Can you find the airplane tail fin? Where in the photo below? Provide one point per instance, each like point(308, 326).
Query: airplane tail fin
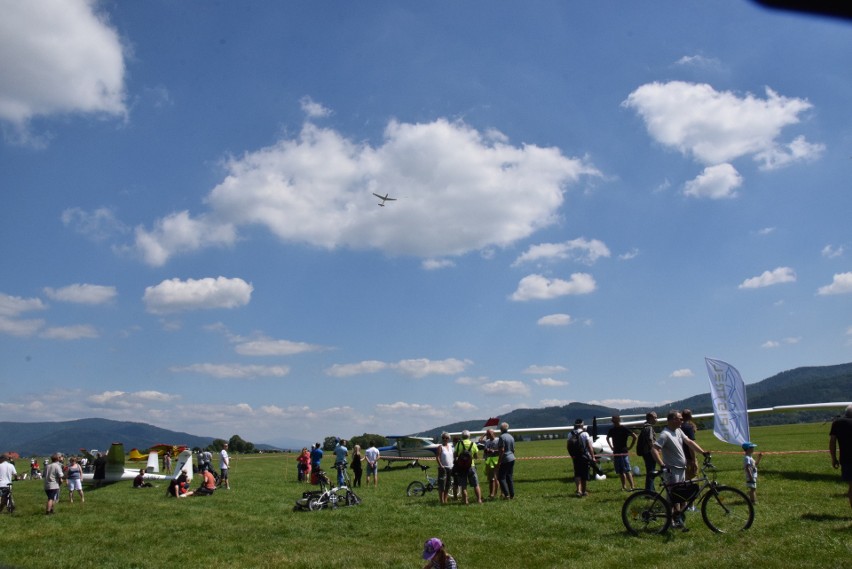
point(184, 463)
point(492, 422)
point(153, 463)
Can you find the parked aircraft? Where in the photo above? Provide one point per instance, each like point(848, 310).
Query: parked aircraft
point(408, 447)
point(384, 199)
point(115, 470)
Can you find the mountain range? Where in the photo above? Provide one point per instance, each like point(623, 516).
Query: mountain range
point(796, 386)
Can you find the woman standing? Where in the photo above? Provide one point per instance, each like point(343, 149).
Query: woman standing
point(74, 479)
point(356, 466)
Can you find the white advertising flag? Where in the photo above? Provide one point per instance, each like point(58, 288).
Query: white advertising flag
point(728, 393)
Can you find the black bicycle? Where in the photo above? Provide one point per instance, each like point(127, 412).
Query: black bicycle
point(724, 509)
point(6, 494)
point(418, 488)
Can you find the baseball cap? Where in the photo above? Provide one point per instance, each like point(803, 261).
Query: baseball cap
point(747, 445)
point(431, 547)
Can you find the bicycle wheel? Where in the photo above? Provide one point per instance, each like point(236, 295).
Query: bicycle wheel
point(646, 513)
point(727, 510)
point(318, 503)
point(416, 488)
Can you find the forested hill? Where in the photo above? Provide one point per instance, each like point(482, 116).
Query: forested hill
point(796, 386)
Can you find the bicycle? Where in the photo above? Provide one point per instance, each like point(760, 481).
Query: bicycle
point(724, 509)
point(328, 496)
point(418, 488)
point(6, 494)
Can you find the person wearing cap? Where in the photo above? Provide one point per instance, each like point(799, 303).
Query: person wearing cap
point(53, 476)
point(841, 436)
point(583, 461)
point(750, 467)
point(437, 556)
point(467, 478)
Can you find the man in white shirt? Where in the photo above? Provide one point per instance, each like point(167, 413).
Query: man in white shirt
point(224, 466)
point(7, 475)
point(372, 455)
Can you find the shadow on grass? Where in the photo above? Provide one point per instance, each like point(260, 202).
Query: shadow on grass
point(803, 476)
point(825, 518)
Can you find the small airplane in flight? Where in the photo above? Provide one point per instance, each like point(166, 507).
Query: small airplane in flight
point(115, 470)
point(384, 199)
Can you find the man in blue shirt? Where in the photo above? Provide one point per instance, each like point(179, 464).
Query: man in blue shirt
point(340, 454)
point(316, 457)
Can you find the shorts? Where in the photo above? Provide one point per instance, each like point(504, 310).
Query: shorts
point(372, 469)
point(52, 493)
point(491, 469)
point(75, 484)
point(470, 479)
point(675, 475)
point(445, 480)
point(581, 467)
point(622, 464)
point(224, 474)
point(751, 484)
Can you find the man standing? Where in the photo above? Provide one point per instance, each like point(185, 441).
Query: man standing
point(53, 476)
point(340, 455)
point(372, 455)
point(465, 454)
point(506, 462)
point(645, 447)
point(841, 435)
point(668, 452)
point(582, 455)
point(7, 475)
point(621, 440)
point(316, 457)
point(224, 466)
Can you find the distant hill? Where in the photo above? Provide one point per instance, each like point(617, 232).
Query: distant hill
point(42, 439)
point(797, 386)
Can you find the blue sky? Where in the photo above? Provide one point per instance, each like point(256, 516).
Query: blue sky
point(590, 200)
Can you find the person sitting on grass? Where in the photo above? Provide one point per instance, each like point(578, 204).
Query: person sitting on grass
point(437, 556)
point(139, 481)
point(178, 487)
point(208, 484)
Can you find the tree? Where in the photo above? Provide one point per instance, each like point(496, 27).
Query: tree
point(364, 440)
point(329, 443)
point(237, 444)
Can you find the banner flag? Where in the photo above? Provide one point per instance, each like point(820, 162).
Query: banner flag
point(730, 407)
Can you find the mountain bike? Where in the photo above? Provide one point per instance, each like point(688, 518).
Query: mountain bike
point(724, 509)
point(328, 496)
point(6, 494)
point(418, 488)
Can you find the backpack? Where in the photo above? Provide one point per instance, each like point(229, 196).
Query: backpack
point(643, 443)
point(464, 460)
point(576, 448)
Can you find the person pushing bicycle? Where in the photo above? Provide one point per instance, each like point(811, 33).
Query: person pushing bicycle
point(668, 453)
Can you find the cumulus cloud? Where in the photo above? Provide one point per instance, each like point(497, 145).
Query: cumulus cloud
point(313, 109)
point(416, 368)
point(539, 287)
point(317, 189)
point(78, 332)
point(684, 372)
point(271, 347)
point(360, 368)
point(549, 382)
point(545, 370)
point(715, 182)
point(581, 249)
point(831, 252)
point(769, 278)
point(233, 371)
point(841, 284)
point(58, 56)
point(715, 127)
point(555, 320)
point(98, 225)
point(21, 328)
point(82, 294)
point(15, 305)
point(505, 387)
point(175, 295)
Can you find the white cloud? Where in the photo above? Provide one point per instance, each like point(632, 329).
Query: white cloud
point(684, 372)
point(416, 368)
point(20, 328)
point(78, 332)
point(234, 371)
point(505, 387)
point(435, 264)
point(545, 370)
point(831, 252)
point(538, 287)
point(15, 305)
point(700, 61)
point(720, 126)
point(626, 403)
point(715, 182)
point(771, 344)
point(313, 109)
point(175, 295)
point(98, 225)
point(317, 189)
point(632, 254)
point(58, 56)
point(842, 284)
point(555, 320)
point(769, 278)
point(581, 249)
point(82, 294)
point(549, 382)
point(270, 347)
point(554, 402)
point(360, 368)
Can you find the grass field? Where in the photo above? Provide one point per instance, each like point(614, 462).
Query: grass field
point(802, 520)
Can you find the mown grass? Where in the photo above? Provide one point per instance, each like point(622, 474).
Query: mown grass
point(803, 520)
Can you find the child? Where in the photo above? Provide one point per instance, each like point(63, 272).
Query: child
point(436, 555)
point(750, 467)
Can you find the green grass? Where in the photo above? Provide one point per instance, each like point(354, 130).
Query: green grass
point(802, 520)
